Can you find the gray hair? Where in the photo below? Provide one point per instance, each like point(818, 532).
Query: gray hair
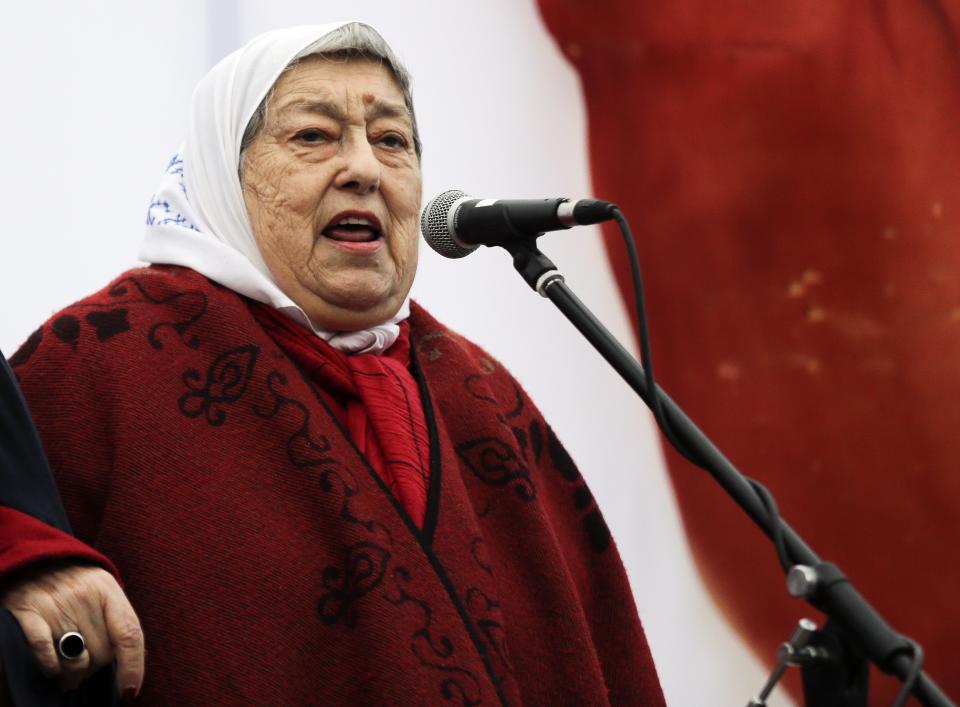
point(351, 41)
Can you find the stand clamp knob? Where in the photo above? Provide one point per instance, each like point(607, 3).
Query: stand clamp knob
point(802, 581)
point(787, 655)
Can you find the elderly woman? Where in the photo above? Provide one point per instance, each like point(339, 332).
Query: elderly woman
point(313, 492)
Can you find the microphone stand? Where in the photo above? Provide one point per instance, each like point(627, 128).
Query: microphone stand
point(855, 629)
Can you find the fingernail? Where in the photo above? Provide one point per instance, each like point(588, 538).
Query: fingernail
point(129, 694)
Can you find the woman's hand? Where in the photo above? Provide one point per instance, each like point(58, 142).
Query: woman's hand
point(51, 600)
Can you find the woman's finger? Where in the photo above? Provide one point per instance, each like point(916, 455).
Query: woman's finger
point(126, 636)
point(91, 625)
point(70, 605)
point(73, 671)
point(40, 639)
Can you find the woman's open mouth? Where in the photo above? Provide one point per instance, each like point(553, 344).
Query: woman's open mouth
point(355, 231)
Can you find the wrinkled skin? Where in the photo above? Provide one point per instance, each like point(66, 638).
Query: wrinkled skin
point(337, 137)
point(54, 598)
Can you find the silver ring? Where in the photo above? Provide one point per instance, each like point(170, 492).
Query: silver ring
point(71, 646)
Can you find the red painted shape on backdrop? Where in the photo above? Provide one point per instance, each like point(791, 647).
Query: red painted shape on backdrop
point(792, 173)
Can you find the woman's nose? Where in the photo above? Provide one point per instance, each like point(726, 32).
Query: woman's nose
point(361, 169)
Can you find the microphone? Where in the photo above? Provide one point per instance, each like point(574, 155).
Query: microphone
point(455, 224)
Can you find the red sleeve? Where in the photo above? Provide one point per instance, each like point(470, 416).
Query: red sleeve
point(25, 540)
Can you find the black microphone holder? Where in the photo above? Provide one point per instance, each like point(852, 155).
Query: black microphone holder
point(853, 623)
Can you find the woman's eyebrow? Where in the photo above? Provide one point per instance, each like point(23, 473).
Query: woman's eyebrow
point(378, 108)
point(327, 108)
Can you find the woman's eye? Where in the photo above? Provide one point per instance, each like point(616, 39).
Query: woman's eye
point(393, 141)
point(311, 136)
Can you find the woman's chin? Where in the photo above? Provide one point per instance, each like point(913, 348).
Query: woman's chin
point(359, 310)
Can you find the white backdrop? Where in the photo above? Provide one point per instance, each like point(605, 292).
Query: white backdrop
point(96, 98)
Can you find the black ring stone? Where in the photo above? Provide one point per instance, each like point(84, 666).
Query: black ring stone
point(72, 646)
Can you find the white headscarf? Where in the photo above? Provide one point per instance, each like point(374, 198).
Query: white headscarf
point(198, 218)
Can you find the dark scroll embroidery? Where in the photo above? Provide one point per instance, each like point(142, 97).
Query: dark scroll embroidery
point(436, 651)
point(225, 383)
point(29, 347)
point(307, 452)
point(595, 527)
point(476, 551)
point(302, 450)
point(529, 439)
point(597, 531)
point(520, 435)
point(484, 611)
point(362, 572)
point(582, 498)
point(108, 319)
point(536, 439)
point(476, 387)
point(495, 461)
point(67, 329)
point(190, 305)
point(558, 455)
point(108, 324)
point(497, 464)
point(484, 511)
point(473, 383)
point(470, 383)
point(518, 404)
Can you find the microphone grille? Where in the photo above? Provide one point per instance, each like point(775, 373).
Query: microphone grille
point(438, 227)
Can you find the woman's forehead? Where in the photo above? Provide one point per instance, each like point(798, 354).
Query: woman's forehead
point(324, 82)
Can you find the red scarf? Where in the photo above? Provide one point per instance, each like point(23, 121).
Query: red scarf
point(376, 399)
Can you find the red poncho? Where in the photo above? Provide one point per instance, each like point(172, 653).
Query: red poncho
point(269, 563)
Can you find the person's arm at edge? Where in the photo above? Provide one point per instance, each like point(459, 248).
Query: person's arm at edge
point(34, 530)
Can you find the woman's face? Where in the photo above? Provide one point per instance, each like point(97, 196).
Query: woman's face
point(332, 187)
